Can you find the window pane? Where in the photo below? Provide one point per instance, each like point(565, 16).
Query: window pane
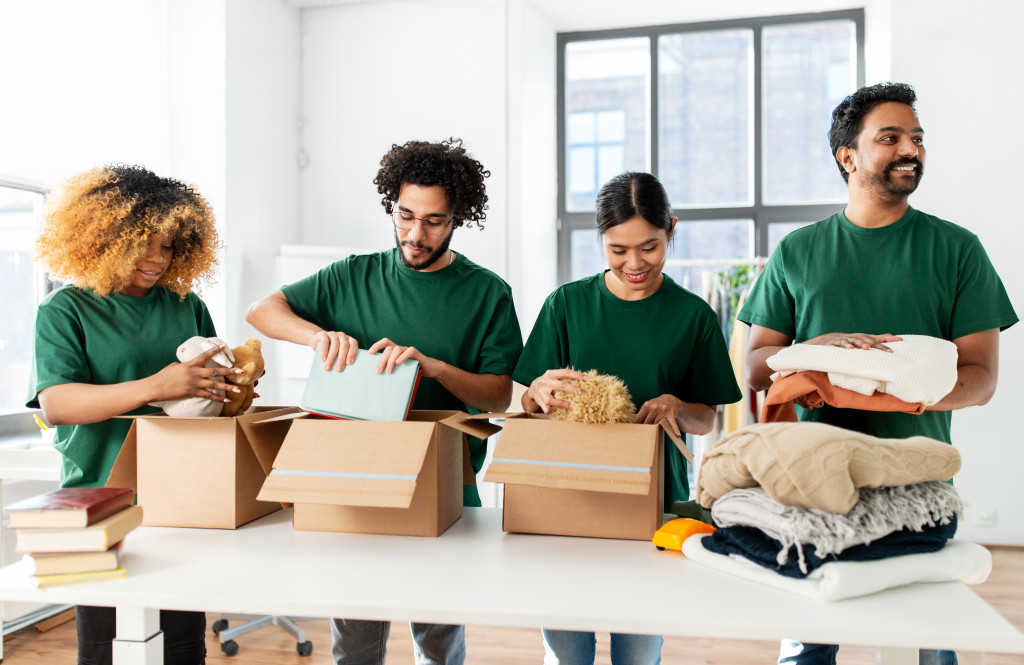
point(606, 107)
point(704, 117)
point(778, 231)
point(808, 69)
point(587, 254)
point(701, 249)
point(582, 168)
point(19, 210)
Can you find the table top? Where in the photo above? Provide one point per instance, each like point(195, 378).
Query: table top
point(475, 574)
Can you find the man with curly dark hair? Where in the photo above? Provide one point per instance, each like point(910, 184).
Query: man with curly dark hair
point(420, 300)
point(880, 267)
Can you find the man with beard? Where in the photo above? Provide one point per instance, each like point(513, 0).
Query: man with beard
point(876, 270)
point(420, 300)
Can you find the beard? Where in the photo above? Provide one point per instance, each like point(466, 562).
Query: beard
point(430, 259)
point(885, 182)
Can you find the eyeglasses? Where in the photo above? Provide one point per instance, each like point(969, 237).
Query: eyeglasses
point(431, 226)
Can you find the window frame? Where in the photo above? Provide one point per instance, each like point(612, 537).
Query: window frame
point(19, 422)
point(761, 213)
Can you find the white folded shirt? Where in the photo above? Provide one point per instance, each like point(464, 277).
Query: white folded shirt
point(958, 560)
point(920, 369)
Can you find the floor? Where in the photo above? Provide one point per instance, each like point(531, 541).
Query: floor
point(1004, 590)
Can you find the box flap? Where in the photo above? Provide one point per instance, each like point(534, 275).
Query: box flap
point(349, 463)
point(265, 430)
point(123, 473)
point(612, 457)
point(679, 443)
point(477, 425)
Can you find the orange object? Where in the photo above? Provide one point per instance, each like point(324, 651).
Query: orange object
point(674, 532)
point(817, 390)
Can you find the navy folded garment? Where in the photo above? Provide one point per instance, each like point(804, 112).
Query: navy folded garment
point(754, 544)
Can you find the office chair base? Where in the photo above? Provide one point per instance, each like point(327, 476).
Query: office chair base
point(227, 642)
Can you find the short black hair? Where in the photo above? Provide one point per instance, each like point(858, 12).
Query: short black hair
point(445, 164)
point(630, 194)
point(848, 117)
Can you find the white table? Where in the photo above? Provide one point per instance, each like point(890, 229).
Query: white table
point(475, 574)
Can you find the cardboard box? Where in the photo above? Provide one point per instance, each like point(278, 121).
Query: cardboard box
point(576, 479)
point(200, 472)
point(400, 478)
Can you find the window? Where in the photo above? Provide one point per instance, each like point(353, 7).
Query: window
point(24, 287)
point(733, 118)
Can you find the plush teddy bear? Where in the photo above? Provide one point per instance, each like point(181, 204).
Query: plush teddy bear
point(605, 400)
point(193, 407)
point(248, 358)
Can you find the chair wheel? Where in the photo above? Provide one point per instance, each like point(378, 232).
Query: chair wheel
point(219, 625)
point(230, 648)
point(304, 648)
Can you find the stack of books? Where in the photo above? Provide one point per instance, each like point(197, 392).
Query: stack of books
point(72, 535)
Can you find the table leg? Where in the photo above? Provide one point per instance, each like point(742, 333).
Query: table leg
point(139, 640)
point(895, 656)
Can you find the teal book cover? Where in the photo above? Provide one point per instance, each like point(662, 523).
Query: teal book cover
point(358, 392)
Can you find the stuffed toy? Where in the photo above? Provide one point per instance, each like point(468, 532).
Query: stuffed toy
point(605, 400)
point(248, 358)
point(197, 407)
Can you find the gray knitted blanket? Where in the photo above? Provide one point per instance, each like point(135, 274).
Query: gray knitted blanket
point(878, 512)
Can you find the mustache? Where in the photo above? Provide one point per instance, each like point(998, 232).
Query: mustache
point(414, 244)
point(907, 161)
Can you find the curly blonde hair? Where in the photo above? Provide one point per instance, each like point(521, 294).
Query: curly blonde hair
point(97, 226)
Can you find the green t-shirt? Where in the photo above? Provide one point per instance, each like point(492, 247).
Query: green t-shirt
point(667, 343)
point(81, 337)
point(462, 314)
point(918, 276)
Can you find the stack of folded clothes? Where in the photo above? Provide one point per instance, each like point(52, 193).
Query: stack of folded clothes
point(917, 372)
point(831, 513)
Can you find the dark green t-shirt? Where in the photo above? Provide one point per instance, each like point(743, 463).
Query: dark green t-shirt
point(81, 337)
point(461, 314)
point(918, 276)
point(667, 343)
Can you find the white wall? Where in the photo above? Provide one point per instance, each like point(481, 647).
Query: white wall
point(80, 90)
point(962, 64)
point(263, 96)
point(387, 72)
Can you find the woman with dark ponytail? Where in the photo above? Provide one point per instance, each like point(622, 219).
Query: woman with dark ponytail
point(634, 322)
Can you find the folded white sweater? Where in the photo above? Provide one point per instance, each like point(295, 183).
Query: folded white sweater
point(920, 369)
point(958, 560)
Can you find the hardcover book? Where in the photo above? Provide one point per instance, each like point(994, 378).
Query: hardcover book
point(69, 507)
point(358, 392)
point(66, 563)
point(95, 538)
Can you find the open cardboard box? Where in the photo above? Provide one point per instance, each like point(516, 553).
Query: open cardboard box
point(382, 477)
point(201, 472)
point(576, 479)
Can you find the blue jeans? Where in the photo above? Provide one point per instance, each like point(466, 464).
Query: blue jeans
point(357, 642)
point(825, 654)
point(569, 647)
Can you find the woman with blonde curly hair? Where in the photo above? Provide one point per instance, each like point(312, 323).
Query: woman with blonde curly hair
point(132, 245)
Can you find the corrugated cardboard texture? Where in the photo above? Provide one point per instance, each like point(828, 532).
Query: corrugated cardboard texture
point(350, 463)
point(435, 501)
point(563, 455)
point(552, 498)
point(198, 472)
point(576, 513)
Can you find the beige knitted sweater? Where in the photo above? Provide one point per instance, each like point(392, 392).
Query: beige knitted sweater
point(818, 466)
